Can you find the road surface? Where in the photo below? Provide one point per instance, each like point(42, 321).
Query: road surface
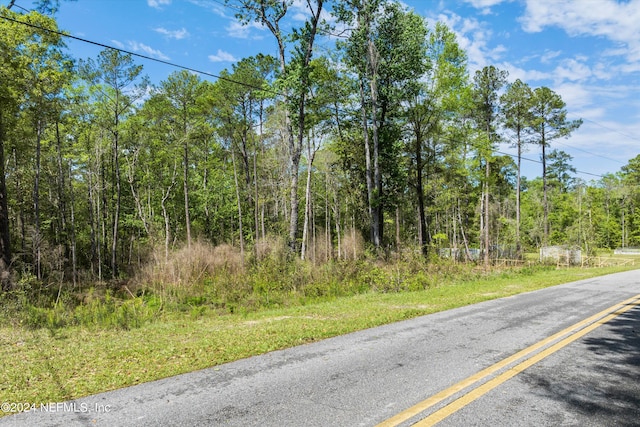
point(562, 356)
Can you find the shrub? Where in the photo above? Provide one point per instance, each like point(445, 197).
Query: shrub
point(352, 245)
point(270, 248)
point(189, 266)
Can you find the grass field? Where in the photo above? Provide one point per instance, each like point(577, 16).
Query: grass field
point(43, 365)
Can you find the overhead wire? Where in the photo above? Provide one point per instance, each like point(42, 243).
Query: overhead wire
point(205, 73)
point(147, 57)
point(540, 162)
point(590, 153)
point(233, 7)
point(608, 128)
point(139, 55)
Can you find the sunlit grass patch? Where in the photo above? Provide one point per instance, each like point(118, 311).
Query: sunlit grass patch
point(56, 364)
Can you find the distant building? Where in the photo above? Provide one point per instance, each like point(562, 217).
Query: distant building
point(459, 254)
point(560, 255)
point(627, 251)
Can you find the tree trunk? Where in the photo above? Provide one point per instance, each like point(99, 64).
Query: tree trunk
point(367, 160)
point(337, 220)
point(422, 226)
point(103, 215)
point(398, 227)
point(262, 205)
point(377, 219)
point(135, 194)
point(167, 227)
point(36, 203)
point(545, 202)
point(62, 205)
point(20, 199)
point(116, 213)
point(165, 214)
point(187, 219)
point(464, 237)
point(486, 213)
point(74, 261)
point(307, 197)
point(5, 237)
point(327, 218)
point(92, 221)
point(235, 178)
point(256, 205)
point(296, 146)
point(294, 200)
point(518, 191)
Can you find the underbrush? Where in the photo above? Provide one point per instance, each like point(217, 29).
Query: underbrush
point(217, 280)
point(97, 307)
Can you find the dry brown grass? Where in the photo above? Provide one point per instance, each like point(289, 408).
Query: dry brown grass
point(270, 247)
point(322, 249)
point(352, 245)
point(190, 265)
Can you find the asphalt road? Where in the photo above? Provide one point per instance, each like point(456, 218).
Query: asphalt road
point(562, 356)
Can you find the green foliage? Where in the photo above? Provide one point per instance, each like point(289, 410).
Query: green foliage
point(274, 282)
point(33, 306)
point(180, 343)
point(400, 142)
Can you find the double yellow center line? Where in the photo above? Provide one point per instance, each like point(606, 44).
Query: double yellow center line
point(566, 336)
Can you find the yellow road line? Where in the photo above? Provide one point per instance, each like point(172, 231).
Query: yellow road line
point(495, 382)
point(439, 397)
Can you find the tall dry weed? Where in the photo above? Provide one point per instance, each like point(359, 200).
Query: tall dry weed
point(190, 265)
point(322, 250)
point(270, 248)
point(352, 245)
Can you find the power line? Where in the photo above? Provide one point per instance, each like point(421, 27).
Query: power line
point(608, 128)
point(540, 162)
point(161, 61)
point(12, 3)
point(172, 64)
point(591, 153)
point(536, 161)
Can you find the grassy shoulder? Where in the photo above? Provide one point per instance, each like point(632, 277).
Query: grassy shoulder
point(55, 364)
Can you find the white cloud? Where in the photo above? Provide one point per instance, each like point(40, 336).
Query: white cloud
point(222, 56)
point(549, 55)
point(117, 44)
point(572, 70)
point(141, 47)
point(473, 36)
point(300, 11)
point(595, 113)
point(576, 96)
point(299, 16)
point(617, 21)
point(173, 34)
point(600, 144)
point(217, 8)
point(481, 4)
point(484, 5)
point(239, 31)
point(527, 76)
point(630, 68)
point(158, 3)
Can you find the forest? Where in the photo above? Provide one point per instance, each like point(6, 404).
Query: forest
point(385, 145)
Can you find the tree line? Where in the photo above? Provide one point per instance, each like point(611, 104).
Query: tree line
point(387, 136)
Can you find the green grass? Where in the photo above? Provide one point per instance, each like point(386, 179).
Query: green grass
point(55, 364)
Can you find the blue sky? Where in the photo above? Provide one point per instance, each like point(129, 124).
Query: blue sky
point(588, 51)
